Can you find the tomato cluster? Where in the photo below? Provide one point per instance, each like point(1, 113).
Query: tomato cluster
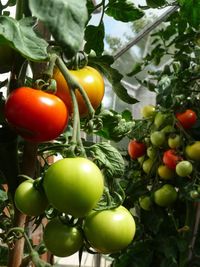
point(166, 154)
point(73, 187)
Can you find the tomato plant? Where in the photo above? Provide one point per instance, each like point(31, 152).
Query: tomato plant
point(109, 231)
point(147, 165)
point(170, 158)
point(174, 141)
point(7, 57)
point(36, 115)
point(91, 81)
point(187, 118)
point(61, 239)
point(136, 149)
point(145, 202)
point(74, 185)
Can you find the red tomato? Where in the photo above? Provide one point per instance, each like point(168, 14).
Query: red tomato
point(170, 159)
point(36, 115)
point(187, 118)
point(136, 149)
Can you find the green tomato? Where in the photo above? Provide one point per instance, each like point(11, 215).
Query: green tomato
point(74, 185)
point(62, 240)
point(109, 231)
point(159, 119)
point(194, 194)
point(148, 111)
point(193, 151)
point(147, 165)
point(30, 200)
point(184, 168)
point(167, 129)
point(165, 173)
point(145, 203)
point(165, 196)
point(151, 152)
point(157, 138)
point(174, 141)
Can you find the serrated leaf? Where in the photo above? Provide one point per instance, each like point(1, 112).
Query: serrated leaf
point(108, 159)
point(65, 20)
point(136, 69)
point(104, 63)
point(21, 37)
point(124, 11)
point(94, 37)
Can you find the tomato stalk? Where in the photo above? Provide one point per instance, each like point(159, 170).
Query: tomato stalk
point(74, 85)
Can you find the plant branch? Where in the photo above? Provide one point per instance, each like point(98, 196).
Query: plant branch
point(146, 31)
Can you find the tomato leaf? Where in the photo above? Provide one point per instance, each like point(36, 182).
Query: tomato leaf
point(191, 10)
point(108, 159)
point(21, 37)
point(121, 125)
point(65, 20)
point(94, 36)
point(123, 11)
point(104, 63)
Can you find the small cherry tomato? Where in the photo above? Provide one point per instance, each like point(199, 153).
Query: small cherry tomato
point(184, 168)
point(36, 115)
point(187, 118)
point(136, 149)
point(170, 158)
point(165, 196)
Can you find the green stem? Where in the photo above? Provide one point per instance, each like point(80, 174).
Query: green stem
point(73, 84)
point(19, 9)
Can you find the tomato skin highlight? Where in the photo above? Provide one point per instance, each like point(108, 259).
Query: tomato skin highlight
point(187, 118)
point(136, 149)
point(29, 200)
point(109, 231)
point(73, 185)
point(62, 240)
point(36, 115)
point(90, 80)
point(170, 159)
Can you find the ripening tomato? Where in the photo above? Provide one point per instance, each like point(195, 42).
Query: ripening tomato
point(109, 231)
point(73, 185)
point(174, 141)
point(165, 172)
point(193, 151)
point(148, 111)
point(136, 149)
point(29, 199)
point(91, 81)
point(62, 240)
point(36, 115)
point(170, 158)
point(187, 118)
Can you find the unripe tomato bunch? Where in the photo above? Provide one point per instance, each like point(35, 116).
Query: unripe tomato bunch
point(73, 187)
point(167, 155)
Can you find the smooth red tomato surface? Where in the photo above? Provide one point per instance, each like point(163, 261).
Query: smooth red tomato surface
point(109, 231)
point(187, 118)
point(29, 200)
point(170, 159)
point(62, 240)
point(91, 81)
point(136, 149)
point(36, 115)
point(74, 185)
